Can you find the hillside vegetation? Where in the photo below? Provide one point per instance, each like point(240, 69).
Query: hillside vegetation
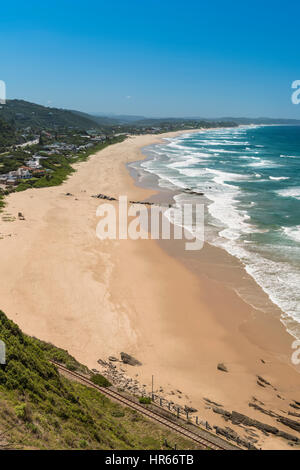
point(7, 134)
point(39, 409)
point(25, 114)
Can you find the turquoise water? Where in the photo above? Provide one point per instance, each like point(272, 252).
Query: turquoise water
point(251, 180)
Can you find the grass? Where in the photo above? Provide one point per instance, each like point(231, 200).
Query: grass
point(43, 410)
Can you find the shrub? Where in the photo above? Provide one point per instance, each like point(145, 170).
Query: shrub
point(83, 444)
point(100, 380)
point(145, 400)
point(23, 412)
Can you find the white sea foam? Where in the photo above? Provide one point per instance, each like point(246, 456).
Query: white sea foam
point(264, 164)
point(279, 178)
point(290, 192)
point(293, 233)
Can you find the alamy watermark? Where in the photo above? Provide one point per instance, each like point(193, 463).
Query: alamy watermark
point(2, 353)
point(2, 92)
point(140, 221)
point(296, 93)
point(296, 354)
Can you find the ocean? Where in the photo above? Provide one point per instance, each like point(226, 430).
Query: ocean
point(250, 177)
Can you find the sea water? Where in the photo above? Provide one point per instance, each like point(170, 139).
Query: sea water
point(250, 177)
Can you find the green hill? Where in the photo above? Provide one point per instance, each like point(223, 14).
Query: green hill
point(24, 114)
point(7, 134)
point(39, 409)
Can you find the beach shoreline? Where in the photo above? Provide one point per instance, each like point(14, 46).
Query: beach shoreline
point(99, 298)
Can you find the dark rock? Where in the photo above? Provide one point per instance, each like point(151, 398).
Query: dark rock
point(222, 367)
point(145, 203)
point(224, 413)
point(101, 362)
point(257, 401)
point(290, 423)
point(264, 381)
point(127, 359)
point(231, 435)
point(211, 402)
point(260, 384)
point(295, 405)
point(103, 196)
point(262, 410)
point(190, 409)
point(288, 436)
point(297, 415)
point(238, 418)
point(228, 432)
point(113, 359)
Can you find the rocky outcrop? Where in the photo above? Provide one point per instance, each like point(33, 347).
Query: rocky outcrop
point(288, 436)
point(113, 359)
point(289, 422)
point(191, 191)
point(210, 402)
point(240, 419)
point(127, 359)
point(262, 410)
point(190, 409)
point(297, 415)
point(226, 414)
point(262, 380)
point(103, 196)
point(231, 435)
point(146, 203)
point(295, 405)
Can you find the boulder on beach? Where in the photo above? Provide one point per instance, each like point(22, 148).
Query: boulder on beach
point(190, 409)
point(127, 359)
point(222, 367)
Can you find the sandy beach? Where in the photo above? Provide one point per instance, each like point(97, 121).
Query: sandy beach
point(176, 315)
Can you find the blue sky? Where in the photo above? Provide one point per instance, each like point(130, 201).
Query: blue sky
point(155, 58)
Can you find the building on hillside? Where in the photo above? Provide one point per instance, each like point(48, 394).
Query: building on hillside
point(34, 163)
point(41, 172)
point(23, 172)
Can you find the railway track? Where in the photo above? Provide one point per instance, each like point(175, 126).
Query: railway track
point(203, 442)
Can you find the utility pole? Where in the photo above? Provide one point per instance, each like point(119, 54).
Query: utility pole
point(152, 387)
